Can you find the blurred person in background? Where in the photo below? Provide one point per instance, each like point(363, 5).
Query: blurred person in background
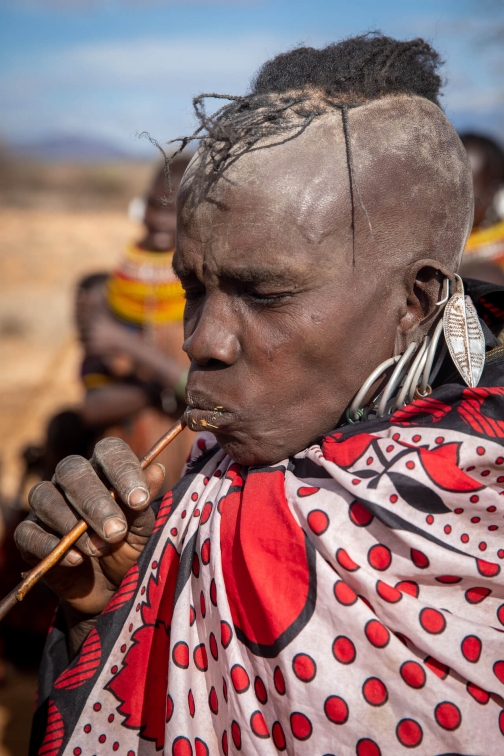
point(130, 326)
point(484, 253)
point(135, 370)
point(134, 374)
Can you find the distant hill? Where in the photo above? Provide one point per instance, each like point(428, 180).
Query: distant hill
point(72, 148)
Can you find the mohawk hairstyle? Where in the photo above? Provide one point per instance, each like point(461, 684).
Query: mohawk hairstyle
point(344, 75)
point(294, 88)
point(360, 68)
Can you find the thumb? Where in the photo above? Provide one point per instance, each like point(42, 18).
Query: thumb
point(155, 475)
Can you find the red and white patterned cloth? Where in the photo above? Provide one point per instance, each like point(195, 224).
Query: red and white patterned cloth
point(349, 600)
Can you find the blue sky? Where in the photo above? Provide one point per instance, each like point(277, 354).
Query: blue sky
point(112, 68)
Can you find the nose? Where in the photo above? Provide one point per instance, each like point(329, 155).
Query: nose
point(213, 341)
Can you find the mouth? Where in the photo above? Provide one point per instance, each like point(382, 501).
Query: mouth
point(203, 413)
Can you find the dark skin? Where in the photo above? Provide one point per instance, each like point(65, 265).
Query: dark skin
point(276, 307)
point(265, 304)
point(118, 529)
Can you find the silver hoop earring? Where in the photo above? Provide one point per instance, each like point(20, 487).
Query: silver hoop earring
point(395, 378)
point(446, 286)
point(355, 413)
point(417, 368)
point(410, 382)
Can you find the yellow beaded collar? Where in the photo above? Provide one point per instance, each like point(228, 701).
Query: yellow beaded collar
point(144, 290)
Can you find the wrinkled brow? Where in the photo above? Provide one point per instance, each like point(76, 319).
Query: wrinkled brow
point(256, 274)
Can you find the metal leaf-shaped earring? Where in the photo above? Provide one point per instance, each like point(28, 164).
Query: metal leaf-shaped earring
point(464, 336)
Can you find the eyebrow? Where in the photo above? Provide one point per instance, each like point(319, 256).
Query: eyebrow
point(257, 274)
point(245, 274)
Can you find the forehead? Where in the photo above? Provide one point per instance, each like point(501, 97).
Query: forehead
point(285, 198)
point(292, 197)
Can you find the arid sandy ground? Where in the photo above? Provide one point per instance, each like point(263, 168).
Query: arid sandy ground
point(43, 252)
point(42, 255)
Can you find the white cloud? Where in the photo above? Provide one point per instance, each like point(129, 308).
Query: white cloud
point(117, 88)
point(149, 60)
point(114, 89)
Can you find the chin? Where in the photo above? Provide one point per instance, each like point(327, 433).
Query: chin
point(248, 453)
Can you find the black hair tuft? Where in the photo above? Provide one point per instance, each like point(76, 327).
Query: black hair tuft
point(361, 68)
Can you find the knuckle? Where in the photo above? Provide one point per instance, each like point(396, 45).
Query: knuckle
point(22, 534)
point(41, 494)
point(109, 445)
point(69, 466)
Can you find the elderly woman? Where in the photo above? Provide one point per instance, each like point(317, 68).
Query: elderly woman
point(326, 576)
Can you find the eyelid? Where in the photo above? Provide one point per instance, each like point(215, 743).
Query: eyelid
point(266, 299)
point(268, 295)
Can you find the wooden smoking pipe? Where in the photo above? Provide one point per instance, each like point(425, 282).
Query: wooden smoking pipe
point(32, 577)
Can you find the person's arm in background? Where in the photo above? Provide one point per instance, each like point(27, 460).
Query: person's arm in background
point(106, 336)
point(112, 403)
point(110, 399)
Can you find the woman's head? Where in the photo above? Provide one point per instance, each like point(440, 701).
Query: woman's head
point(160, 218)
point(315, 231)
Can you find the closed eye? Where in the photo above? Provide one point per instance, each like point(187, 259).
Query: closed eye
point(266, 299)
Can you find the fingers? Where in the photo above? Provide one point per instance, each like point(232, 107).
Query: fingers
point(122, 468)
point(142, 523)
point(78, 483)
point(87, 494)
point(35, 544)
point(50, 508)
point(155, 475)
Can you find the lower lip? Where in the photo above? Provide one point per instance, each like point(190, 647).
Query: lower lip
point(211, 420)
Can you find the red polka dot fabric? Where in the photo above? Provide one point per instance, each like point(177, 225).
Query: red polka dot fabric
point(347, 601)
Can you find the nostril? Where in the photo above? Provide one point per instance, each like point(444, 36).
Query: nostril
point(214, 364)
point(211, 364)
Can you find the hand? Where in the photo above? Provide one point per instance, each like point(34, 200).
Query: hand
point(88, 576)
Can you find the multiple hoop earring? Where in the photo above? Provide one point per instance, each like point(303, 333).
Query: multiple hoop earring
point(417, 368)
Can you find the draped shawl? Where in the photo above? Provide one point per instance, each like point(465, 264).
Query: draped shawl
point(348, 600)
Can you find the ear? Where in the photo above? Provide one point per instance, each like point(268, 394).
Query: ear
point(423, 288)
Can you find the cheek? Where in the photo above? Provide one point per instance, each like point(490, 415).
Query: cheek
point(333, 347)
point(293, 347)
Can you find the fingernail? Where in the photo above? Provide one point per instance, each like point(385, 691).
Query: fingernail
point(73, 558)
point(137, 497)
point(163, 468)
point(113, 526)
point(95, 543)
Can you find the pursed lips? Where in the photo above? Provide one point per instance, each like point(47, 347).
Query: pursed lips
point(203, 413)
